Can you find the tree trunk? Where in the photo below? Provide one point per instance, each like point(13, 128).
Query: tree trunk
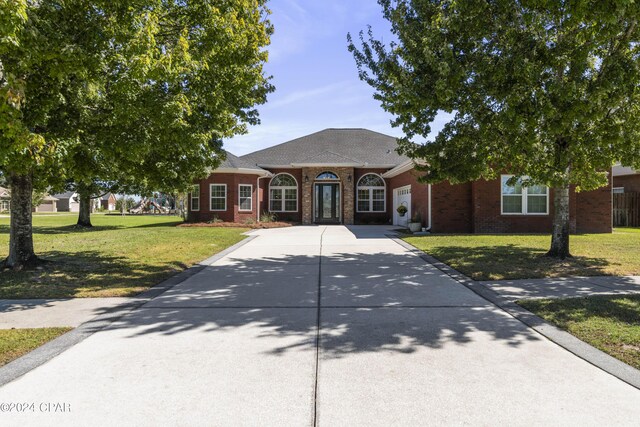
point(561, 224)
point(84, 214)
point(21, 254)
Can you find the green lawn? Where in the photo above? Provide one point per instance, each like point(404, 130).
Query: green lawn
point(609, 323)
point(16, 342)
point(120, 256)
point(509, 256)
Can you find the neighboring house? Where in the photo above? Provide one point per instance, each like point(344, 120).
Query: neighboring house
point(68, 202)
point(5, 200)
point(48, 204)
point(108, 202)
point(355, 176)
point(625, 180)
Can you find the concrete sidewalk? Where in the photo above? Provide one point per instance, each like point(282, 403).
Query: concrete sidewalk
point(564, 287)
point(320, 326)
point(47, 313)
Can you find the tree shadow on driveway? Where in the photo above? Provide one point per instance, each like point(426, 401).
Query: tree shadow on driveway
point(368, 302)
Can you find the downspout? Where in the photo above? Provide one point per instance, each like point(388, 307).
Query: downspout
point(429, 213)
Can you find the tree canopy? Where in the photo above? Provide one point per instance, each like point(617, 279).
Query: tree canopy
point(133, 92)
point(545, 89)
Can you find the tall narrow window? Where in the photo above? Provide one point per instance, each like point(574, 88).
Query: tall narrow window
point(371, 194)
point(283, 193)
point(520, 200)
point(245, 192)
point(195, 197)
point(218, 193)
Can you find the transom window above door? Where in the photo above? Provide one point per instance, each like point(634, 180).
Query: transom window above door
point(327, 176)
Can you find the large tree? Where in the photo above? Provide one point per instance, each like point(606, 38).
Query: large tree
point(146, 89)
point(547, 90)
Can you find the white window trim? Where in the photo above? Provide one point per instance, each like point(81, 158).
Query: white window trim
point(240, 197)
point(197, 197)
point(525, 199)
point(613, 190)
point(211, 198)
point(370, 189)
point(282, 192)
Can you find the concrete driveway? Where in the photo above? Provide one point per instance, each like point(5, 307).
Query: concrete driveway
point(327, 326)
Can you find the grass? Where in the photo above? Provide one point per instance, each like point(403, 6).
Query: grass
point(16, 342)
point(119, 256)
point(609, 323)
point(508, 256)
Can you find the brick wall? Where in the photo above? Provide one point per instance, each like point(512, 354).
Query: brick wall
point(590, 212)
point(594, 210)
point(232, 213)
point(631, 183)
point(452, 210)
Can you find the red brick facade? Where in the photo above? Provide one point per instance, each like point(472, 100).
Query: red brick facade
point(232, 213)
point(473, 207)
point(630, 183)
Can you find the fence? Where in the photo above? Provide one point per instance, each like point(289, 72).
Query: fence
point(626, 210)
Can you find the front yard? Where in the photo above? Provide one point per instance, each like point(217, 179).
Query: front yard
point(497, 257)
point(120, 256)
point(609, 323)
point(17, 342)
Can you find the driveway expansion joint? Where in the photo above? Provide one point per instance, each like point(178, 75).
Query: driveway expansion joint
point(579, 348)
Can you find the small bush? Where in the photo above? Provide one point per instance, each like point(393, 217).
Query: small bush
point(268, 217)
point(215, 220)
point(249, 221)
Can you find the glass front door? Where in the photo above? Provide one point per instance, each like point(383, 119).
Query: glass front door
point(327, 208)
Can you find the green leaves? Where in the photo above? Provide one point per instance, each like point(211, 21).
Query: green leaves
point(540, 88)
point(139, 92)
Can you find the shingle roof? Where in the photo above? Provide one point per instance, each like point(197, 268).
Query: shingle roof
point(65, 195)
point(332, 146)
point(235, 162)
point(4, 192)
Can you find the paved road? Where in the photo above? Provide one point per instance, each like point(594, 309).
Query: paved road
point(399, 343)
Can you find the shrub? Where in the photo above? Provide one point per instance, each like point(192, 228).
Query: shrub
point(268, 217)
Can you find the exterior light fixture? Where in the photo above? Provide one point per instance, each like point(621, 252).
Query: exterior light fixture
point(306, 178)
point(349, 178)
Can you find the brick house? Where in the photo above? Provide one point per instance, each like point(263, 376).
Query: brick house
point(355, 176)
point(625, 180)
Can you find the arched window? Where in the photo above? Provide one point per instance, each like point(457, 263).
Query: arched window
point(372, 193)
point(283, 193)
point(327, 175)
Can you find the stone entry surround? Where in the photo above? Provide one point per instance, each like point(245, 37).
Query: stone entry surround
point(347, 190)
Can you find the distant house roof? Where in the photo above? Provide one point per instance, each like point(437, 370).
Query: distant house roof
point(353, 147)
point(49, 198)
point(619, 170)
point(4, 193)
point(65, 195)
point(106, 196)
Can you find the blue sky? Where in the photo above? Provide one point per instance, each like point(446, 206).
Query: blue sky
point(316, 79)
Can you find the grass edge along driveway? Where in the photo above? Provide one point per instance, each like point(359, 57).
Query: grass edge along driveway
point(609, 323)
point(520, 256)
point(18, 342)
point(118, 257)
